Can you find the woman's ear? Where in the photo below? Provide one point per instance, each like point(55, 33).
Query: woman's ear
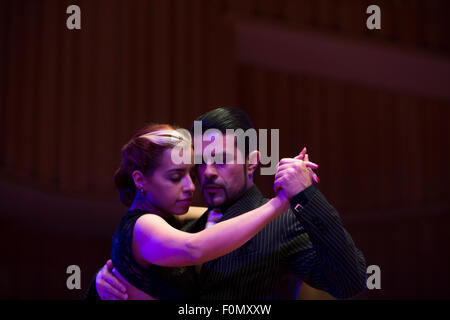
point(138, 178)
point(253, 161)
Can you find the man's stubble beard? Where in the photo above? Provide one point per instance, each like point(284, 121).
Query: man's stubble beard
point(227, 201)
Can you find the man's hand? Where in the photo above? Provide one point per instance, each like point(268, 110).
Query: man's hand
point(109, 287)
point(295, 174)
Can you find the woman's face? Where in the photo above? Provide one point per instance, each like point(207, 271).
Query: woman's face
point(170, 187)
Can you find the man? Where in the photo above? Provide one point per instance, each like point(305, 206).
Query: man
point(307, 243)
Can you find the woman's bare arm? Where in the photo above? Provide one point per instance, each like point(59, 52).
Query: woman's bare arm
point(156, 242)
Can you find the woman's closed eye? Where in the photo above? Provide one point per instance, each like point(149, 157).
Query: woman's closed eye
point(175, 178)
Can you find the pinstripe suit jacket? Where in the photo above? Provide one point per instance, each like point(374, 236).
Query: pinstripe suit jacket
point(306, 243)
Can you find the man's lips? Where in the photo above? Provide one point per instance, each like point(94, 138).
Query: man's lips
point(212, 187)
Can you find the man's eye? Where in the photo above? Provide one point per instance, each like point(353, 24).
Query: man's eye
point(175, 179)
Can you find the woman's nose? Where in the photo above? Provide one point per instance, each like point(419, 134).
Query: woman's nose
point(189, 185)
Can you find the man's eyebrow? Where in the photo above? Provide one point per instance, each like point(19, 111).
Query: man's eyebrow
point(224, 156)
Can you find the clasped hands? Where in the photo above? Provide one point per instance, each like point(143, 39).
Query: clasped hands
point(295, 174)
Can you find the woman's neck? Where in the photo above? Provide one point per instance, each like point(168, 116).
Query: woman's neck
point(142, 203)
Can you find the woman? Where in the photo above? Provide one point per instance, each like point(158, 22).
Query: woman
point(149, 250)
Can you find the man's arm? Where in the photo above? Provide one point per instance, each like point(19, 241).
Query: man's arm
point(325, 257)
point(333, 263)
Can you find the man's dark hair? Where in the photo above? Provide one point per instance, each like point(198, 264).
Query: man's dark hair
point(226, 118)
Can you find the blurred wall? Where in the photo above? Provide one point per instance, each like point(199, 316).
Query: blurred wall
point(377, 124)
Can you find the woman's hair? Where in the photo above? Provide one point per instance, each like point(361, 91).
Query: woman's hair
point(143, 153)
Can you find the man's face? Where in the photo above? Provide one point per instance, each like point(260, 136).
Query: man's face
point(221, 184)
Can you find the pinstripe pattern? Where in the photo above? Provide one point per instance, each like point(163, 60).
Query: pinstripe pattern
point(310, 245)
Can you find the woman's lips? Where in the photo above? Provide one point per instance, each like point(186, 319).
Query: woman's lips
point(185, 201)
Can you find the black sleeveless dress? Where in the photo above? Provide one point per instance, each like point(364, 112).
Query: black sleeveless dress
point(165, 283)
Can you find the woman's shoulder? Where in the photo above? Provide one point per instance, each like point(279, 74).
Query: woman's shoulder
point(137, 214)
point(124, 231)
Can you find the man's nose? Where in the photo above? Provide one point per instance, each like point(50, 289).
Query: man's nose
point(210, 171)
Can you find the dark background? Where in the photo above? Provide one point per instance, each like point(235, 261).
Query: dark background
point(372, 106)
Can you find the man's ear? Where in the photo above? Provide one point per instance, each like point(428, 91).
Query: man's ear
point(253, 161)
point(138, 178)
